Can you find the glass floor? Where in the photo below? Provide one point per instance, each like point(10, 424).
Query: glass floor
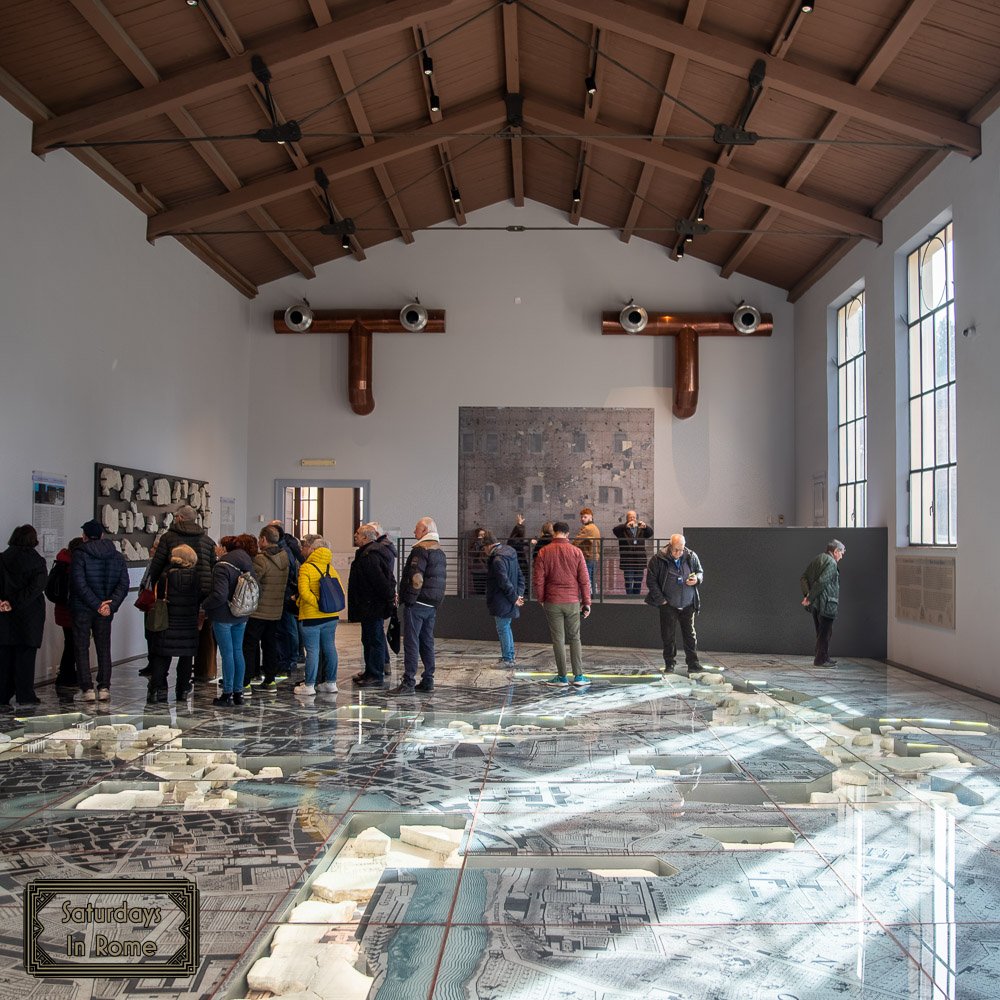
point(766, 830)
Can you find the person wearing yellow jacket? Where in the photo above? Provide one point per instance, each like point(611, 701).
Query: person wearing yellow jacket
point(318, 628)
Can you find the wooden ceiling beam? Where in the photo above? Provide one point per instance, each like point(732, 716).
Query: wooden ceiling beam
point(591, 103)
point(225, 31)
point(34, 110)
point(488, 115)
point(881, 59)
point(207, 82)
point(512, 70)
point(107, 27)
point(899, 116)
point(675, 77)
point(448, 172)
point(814, 210)
point(345, 79)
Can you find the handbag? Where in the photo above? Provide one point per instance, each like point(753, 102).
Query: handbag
point(146, 597)
point(392, 633)
point(158, 616)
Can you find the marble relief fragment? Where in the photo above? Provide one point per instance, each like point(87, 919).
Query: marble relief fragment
point(161, 492)
point(111, 479)
point(128, 485)
point(109, 518)
point(142, 490)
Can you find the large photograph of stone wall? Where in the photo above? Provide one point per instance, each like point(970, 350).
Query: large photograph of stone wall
point(548, 462)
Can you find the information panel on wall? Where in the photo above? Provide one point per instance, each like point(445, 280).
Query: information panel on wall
point(925, 590)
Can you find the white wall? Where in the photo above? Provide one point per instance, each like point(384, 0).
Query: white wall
point(113, 351)
point(968, 192)
point(728, 465)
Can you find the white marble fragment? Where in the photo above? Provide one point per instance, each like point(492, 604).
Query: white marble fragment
point(142, 490)
point(431, 838)
point(161, 492)
point(864, 739)
point(269, 772)
point(128, 485)
point(109, 518)
point(462, 727)
point(343, 884)
point(111, 479)
point(372, 843)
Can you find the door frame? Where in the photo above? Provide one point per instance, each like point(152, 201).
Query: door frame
point(280, 485)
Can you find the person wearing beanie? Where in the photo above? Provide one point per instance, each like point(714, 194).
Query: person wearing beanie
point(99, 583)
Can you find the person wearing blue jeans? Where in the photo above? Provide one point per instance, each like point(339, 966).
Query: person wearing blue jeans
point(229, 639)
point(421, 590)
point(317, 627)
point(228, 628)
point(504, 592)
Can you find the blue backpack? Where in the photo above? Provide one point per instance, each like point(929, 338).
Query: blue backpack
point(331, 594)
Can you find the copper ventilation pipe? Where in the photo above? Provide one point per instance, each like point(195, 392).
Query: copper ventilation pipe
point(686, 328)
point(359, 325)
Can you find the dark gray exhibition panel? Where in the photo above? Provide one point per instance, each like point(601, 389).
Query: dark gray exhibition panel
point(751, 601)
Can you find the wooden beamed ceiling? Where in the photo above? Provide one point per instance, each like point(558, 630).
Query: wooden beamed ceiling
point(847, 116)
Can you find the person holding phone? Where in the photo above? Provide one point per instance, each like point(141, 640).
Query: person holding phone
point(673, 577)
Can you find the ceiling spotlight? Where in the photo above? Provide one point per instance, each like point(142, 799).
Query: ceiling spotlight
point(746, 319)
point(591, 84)
point(428, 65)
point(456, 196)
point(192, 3)
point(689, 238)
point(346, 242)
point(413, 316)
point(633, 318)
point(679, 252)
point(298, 318)
point(577, 196)
point(806, 8)
point(700, 215)
point(435, 102)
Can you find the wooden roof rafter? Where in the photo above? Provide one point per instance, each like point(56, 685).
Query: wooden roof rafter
point(106, 25)
point(487, 115)
point(345, 79)
point(878, 63)
point(897, 115)
point(207, 82)
point(229, 38)
point(443, 148)
point(512, 71)
point(591, 104)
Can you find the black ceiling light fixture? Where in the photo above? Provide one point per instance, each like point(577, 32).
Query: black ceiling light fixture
point(435, 102)
point(456, 196)
point(428, 65)
point(577, 196)
point(279, 132)
point(806, 7)
point(591, 84)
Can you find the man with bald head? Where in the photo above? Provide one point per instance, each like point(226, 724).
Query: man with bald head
point(421, 590)
point(673, 576)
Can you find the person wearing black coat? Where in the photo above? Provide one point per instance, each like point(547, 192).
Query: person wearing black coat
point(504, 593)
point(185, 530)
point(99, 576)
point(181, 588)
point(632, 537)
point(518, 541)
point(228, 628)
point(371, 592)
point(22, 615)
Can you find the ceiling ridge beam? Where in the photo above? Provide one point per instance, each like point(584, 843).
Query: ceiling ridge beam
point(34, 110)
point(512, 72)
point(877, 64)
point(895, 114)
point(341, 164)
point(728, 179)
point(206, 82)
point(108, 29)
point(675, 77)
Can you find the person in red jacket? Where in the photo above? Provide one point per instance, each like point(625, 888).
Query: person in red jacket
point(562, 585)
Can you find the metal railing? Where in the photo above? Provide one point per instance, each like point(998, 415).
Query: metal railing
point(467, 567)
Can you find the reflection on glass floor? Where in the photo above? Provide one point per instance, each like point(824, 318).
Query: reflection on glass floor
point(767, 829)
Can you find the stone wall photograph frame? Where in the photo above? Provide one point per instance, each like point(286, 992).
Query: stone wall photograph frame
point(548, 462)
point(136, 498)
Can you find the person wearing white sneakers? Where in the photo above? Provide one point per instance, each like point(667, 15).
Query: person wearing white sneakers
point(319, 628)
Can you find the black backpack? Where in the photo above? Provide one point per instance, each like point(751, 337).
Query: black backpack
point(57, 585)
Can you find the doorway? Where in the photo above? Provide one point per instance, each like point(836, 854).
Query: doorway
point(332, 508)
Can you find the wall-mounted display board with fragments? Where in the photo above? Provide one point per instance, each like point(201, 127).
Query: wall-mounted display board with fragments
point(134, 505)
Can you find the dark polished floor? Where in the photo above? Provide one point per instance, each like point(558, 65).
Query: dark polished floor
point(766, 830)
